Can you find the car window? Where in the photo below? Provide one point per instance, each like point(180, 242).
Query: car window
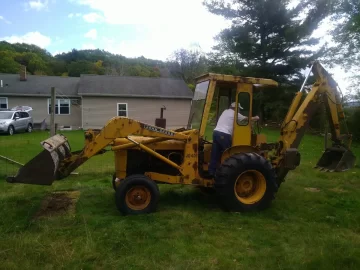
point(6, 115)
point(24, 115)
point(16, 115)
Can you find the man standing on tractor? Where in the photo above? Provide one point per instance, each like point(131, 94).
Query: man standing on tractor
point(222, 135)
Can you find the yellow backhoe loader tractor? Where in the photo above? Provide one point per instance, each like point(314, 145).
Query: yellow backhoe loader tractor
point(250, 171)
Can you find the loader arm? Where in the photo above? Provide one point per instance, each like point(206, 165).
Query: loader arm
point(117, 127)
point(60, 162)
point(324, 91)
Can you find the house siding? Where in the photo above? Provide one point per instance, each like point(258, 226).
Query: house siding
point(98, 110)
point(40, 111)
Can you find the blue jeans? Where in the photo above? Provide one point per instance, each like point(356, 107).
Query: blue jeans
point(221, 142)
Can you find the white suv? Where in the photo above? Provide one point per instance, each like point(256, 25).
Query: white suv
point(14, 121)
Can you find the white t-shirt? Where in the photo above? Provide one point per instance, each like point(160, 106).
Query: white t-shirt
point(225, 123)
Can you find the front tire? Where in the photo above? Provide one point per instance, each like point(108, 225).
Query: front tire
point(137, 194)
point(246, 182)
point(11, 130)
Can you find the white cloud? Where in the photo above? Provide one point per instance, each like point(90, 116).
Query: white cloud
point(165, 25)
point(35, 38)
point(92, 17)
point(2, 18)
point(91, 34)
point(88, 46)
point(71, 15)
point(38, 4)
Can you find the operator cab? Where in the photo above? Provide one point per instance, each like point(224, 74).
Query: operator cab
point(214, 93)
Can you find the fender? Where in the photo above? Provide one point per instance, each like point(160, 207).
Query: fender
point(237, 150)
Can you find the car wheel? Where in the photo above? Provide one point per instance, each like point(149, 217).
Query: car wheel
point(29, 128)
point(11, 130)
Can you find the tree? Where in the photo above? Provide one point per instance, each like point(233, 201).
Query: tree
point(346, 35)
point(7, 62)
point(187, 64)
point(75, 69)
point(36, 64)
point(32, 61)
point(269, 39)
point(57, 67)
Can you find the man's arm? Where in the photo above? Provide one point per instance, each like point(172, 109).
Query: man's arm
point(242, 117)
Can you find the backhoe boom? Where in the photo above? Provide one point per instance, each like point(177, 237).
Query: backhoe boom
point(324, 91)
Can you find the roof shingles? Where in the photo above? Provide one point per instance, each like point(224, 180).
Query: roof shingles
point(36, 85)
point(95, 85)
point(104, 85)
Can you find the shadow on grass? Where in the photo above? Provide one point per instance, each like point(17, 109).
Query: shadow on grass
point(172, 196)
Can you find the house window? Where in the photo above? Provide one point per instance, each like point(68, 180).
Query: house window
point(3, 103)
point(122, 109)
point(62, 106)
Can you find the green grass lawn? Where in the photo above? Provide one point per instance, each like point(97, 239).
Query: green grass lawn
point(301, 230)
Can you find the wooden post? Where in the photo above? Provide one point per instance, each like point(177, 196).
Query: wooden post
point(52, 116)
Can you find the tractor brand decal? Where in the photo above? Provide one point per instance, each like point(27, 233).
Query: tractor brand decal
point(159, 130)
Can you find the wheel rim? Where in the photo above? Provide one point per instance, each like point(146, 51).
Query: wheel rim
point(29, 128)
point(138, 198)
point(250, 187)
point(11, 131)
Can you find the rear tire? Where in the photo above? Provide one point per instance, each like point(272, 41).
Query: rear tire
point(11, 130)
point(29, 128)
point(137, 194)
point(245, 183)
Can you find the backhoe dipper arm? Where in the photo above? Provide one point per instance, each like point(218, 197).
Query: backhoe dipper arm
point(324, 90)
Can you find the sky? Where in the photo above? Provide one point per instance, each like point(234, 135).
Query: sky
point(153, 29)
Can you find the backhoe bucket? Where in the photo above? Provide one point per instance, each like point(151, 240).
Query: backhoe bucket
point(336, 159)
point(42, 169)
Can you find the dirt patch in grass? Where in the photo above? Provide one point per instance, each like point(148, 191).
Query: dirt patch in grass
point(311, 189)
point(58, 203)
point(338, 190)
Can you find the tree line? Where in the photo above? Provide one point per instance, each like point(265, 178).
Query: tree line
point(40, 62)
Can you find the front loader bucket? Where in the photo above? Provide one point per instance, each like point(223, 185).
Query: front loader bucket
point(42, 169)
point(336, 159)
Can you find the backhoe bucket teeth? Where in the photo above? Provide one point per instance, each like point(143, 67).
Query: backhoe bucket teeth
point(336, 159)
point(43, 168)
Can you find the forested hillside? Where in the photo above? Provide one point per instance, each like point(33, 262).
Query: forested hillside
point(41, 62)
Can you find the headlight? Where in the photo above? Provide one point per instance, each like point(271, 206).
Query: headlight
point(2, 123)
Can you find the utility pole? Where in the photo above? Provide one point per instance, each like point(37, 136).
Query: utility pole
point(52, 116)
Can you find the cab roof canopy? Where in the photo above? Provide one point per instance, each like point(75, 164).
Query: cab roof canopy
point(221, 78)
